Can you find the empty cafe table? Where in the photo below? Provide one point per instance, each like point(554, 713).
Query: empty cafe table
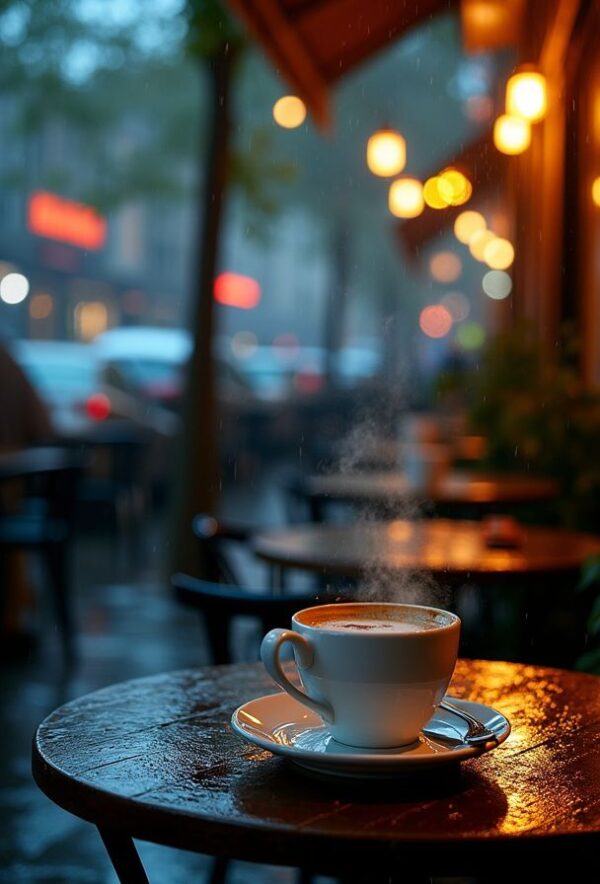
point(391, 490)
point(155, 759)
point(452, 551)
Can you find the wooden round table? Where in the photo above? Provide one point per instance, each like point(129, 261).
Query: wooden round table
point(156, 759)
point(479, 491)
point(452, 551)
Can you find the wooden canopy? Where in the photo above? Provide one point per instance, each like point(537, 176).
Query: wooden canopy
point(315, 42)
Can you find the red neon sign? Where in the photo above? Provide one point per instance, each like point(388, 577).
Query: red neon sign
point(235, 290)
point(56, 218)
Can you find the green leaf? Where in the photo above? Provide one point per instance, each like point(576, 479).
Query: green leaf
point(589, 662)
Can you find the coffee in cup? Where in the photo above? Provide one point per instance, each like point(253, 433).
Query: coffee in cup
point(373, 671)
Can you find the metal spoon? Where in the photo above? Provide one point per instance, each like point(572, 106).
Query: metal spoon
point(477, 734)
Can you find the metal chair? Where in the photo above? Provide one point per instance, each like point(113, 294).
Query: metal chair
point(220, 605)
point(41, 520)
point(214, 538)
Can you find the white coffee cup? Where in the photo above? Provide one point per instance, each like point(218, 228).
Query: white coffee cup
point(373, 671)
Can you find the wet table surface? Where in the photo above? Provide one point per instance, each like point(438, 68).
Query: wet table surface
point(446, 548)
point(156, 759)
point(455, 488)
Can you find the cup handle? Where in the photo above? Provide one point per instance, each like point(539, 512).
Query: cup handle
point(269, 651)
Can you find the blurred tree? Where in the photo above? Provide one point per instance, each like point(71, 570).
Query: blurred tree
point(114, 83)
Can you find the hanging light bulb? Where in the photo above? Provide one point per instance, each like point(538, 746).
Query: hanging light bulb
point(512, 135)
point(468, 223)
point(459, 184)
point(405, 198)
point(499, 253)
point(386, 153)
point(526, 95)
point(437, 192)
point(289, 112)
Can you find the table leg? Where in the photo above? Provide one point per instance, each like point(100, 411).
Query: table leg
point(124, 857)
point(277, 579)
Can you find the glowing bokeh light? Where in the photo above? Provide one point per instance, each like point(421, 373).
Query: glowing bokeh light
point(526, 95)
point(470, 336)
point(41, 306)
point(91, 319)
point(386, 153)
point(14, 288)
point(499, 253)
point(405, 198)
point(466, 224)
point(244, 344)
point(437, 192)
point(97, 407)
point(236, 290)
point(497, 284)
point(445, 267)
point(289, 112)
point(457, 305)
point(435, 321)
point(459, 184)
point(478, 242)
point(596, 191)
point(512, 135)
point(55, 217)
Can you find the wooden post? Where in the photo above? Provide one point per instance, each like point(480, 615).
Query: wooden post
point(197, 469)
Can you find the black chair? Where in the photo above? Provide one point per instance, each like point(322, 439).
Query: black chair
point(215, 539)
point(115, 485)
point(220, 605)
point(38, 516)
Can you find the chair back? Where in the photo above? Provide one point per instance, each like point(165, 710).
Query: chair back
point(220, 604)
point(49, 475)
point(214, 538)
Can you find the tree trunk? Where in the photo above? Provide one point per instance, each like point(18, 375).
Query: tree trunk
point(197, 469)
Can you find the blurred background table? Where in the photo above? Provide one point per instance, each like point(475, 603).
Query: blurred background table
point(516, 603)
point(453, 551)
point(155, 759)
point(480, 492)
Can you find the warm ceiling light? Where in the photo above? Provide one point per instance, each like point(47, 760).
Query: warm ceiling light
point(435, 321)
point(289, 112)
point(437, 192)
point(596, 191)
point(405, 198)
point(526, 95)
point(460, 185)
point(512, 135)
point(445, 267)
point(478, 243)
point(499, 253)
point(386, 153)
point(466, 224)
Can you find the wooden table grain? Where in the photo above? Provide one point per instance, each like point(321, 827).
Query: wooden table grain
point(156, 759)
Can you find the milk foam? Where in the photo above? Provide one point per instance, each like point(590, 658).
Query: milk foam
point(374, 625)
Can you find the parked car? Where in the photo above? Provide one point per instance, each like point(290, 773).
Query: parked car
point(67, 376)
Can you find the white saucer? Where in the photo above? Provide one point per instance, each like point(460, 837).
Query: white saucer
point(285, 727)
